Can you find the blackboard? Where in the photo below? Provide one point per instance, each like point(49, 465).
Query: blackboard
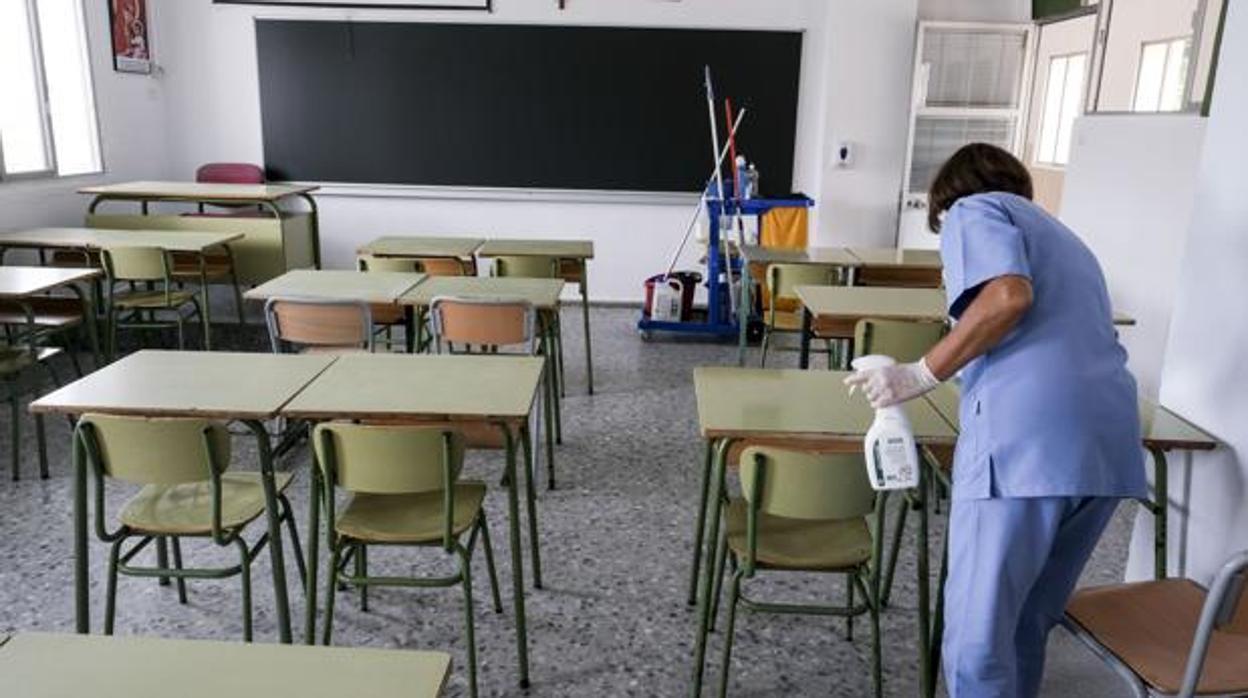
point(521, 106)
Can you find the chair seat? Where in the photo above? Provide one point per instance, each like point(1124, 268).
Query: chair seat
point(16, 359)
point(800, 544)
point(1149, 626)
point(152, 299)
point(408, 518)
point(190, 270)
point(331, 350)
point(387, 314)
point(785, 321)
point(48, 311)
point(186, 509)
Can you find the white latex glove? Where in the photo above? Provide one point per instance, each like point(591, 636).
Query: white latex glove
point(892, 385)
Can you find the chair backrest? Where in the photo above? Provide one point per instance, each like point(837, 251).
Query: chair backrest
point(388, 459)
point(901, 339)
point(444, 266)
point(230, 173)
point(525, 266)
point(404, 264)
point(157, 451)
point(783, 280)
point(319, 324)
point(799, 485)
point(493, 322)
point(136, 263)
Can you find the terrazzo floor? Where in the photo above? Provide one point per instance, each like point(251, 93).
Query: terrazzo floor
point(616, 539)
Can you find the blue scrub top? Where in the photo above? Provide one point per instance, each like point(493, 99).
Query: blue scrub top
point(1051, 410)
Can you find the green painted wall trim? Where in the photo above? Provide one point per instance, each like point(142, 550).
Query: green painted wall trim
point(1041, 9)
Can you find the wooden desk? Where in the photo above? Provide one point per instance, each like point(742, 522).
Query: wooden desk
point(832, 311)
point(573, 256)
point(39, 665)
point(897, 267)
point(810, 410)
point(278, 240)
point(424, 246)
point(21, 286)
point(497, 391)
point(381, 287)
point(249, 388)
point(92, 240)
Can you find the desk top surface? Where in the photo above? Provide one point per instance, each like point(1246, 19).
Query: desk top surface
point(197, 191)
point(564, 249)
point(1160, 427)
point(895, 257)
point(39, 665)
point(422, 246)
point(797, 405)
point(98, 238)
point(837, 256)
point(19, 282)
point(213, 385)
point(338, 284)
point(540, 293)
point(422, 386)
point(853, 302)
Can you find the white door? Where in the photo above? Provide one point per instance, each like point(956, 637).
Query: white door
point(969, 86)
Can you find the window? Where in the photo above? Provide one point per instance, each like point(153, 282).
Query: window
point(1160, 76)
point(1063, 101)
point(47, 105)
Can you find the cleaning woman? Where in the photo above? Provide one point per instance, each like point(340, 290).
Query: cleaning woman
point(1050, 434)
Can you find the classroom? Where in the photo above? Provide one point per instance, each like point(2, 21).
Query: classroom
point(563, 348)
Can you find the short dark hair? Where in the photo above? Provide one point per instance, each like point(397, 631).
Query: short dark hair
point(976, 168)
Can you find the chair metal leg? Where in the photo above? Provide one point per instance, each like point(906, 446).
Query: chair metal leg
point(162, 559)
point(849, 603)
point(530, 496)
point(110, 592)
point(489, 561)
point(721, 554)
point(245, 577)
point(15, 432)
point(899, 528)
point(762, 359)
point(361, 571)
point(700, 526)
point(734, 596)
point(176, 545)
point(288, 513)
point(470, 638)
point(42, 443)
point(331, 591)
point(181, 331)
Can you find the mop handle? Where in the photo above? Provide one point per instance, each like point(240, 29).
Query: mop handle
point(719, 184)
point(697, 209)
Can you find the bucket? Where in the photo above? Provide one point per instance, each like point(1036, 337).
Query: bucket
point(682, 282)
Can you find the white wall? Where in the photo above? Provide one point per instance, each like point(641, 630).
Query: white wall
point(1205, 371)
point(1128, 193)
point(208, 54)
point(132, 138)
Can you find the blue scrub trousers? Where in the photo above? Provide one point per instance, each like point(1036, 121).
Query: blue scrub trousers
point(1013, 563)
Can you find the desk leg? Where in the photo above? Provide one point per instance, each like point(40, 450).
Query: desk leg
point(743, 314)
point(1161, 511)
point(276, 554)
point(517, 561)
point(82, 601)
point(530, 495)
point(409, 329)
point(88, 322)
point(705, 603)
point(804, 361)
point(313, 536)
point(548, 405)
point(205, 312)
point(589, 354)
point(700, 525)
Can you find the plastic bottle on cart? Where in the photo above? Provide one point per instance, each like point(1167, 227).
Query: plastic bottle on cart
point(741, 183)
point(892, 459)
point(751, 177)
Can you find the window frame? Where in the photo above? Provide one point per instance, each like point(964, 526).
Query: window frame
point(1187, 40)
point(45, 114)
point(1080, 111)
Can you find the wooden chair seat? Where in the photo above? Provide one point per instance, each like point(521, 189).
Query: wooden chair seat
point(898, 277)
point(186, 265)
point(800, 544)
point(1149, 626)
point(17, 359)
point(146, 300)
point(186, 509)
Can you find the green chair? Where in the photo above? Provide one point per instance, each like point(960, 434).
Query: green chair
point(905, 341)
point(387, 316)
point(151, 291)
point(187, 492)
point(537, 267)
point(784, 312)
point(405, 490)
point(803, 512)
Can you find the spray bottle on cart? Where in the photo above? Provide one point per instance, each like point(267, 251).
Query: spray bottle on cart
point(892, 459)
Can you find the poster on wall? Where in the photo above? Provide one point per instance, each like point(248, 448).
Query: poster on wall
point(479, 5)
point(132, 51)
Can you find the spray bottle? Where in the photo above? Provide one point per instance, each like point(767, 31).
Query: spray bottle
point(892, 460)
